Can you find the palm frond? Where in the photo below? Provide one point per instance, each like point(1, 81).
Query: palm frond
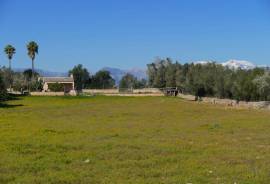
point(10, 51)
point(32, 48)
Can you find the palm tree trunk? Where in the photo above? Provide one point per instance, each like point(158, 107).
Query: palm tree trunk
point(33, 71)
point(9, 64)
point(10, 77)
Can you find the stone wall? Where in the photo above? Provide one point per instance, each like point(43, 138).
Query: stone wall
point(135, 94)
point(229, 102)
point(187, 97)
point(116, 91)
point(107, 92)
point(256, 105)
point(147, 90)
point(47, 93)
point(101, 91)
point(71, 93)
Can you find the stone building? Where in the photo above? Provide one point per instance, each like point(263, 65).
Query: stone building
point(68, 83)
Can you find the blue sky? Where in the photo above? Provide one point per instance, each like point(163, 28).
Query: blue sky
point(131, 33)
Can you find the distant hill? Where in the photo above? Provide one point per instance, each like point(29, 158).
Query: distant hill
point(44, 73)
point(117, 73)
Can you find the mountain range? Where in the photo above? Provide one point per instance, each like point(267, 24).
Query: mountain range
point(44, 73)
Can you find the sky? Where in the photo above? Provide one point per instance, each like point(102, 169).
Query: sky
point(131, 33)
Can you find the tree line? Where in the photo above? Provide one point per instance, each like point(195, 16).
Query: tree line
point(210, 79)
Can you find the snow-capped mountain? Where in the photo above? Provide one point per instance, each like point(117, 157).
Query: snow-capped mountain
point(236, 64)
point(232, 64)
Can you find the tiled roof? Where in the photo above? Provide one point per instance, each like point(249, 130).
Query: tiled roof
point(57, 79)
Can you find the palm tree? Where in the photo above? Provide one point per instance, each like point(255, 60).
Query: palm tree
point(32, 48)
point(10, 51)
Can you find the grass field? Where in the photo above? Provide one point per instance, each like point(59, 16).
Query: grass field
point(134, 140)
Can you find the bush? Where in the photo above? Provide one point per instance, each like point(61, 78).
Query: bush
point(81, 76)
point(19, 86)
point(130, 81)
point(101, 80)
point(3, 94)
point(56, 87)
point(36, 85)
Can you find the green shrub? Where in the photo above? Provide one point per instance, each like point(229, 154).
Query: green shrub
point(56, 87)
point(3, 94)
point(36, 85)
point(19, 86)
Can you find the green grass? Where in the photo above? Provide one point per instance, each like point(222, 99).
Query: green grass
point(134, 140)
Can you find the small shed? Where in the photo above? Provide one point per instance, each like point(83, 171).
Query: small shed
point(68, 83)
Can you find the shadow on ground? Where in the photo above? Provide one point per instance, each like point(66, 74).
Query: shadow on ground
point(10, 97)
point(4, 105)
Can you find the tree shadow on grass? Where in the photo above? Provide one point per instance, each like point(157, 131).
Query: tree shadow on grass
point(4, 105)
point(10, 97)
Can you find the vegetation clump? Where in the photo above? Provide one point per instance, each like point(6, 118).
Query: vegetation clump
point(2, 88)
point(80, 75)
point(101, 80)
point(56, 87)
point(211, 79)
point(130, 81)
